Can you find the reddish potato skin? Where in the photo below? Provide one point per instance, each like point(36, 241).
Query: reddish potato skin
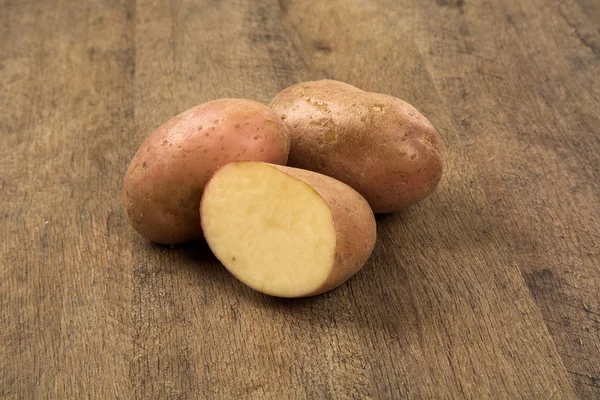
point(379, 145)
point(164, 182)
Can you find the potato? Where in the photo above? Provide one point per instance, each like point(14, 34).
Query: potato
point(284, 231)
point(378, 144)
point(165, 180)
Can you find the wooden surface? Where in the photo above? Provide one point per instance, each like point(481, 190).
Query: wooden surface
point(488, 289)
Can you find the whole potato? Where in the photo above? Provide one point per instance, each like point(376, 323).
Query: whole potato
point(164, 183)
point(378, 144)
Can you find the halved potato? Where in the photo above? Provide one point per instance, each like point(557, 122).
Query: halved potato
point(284, 231)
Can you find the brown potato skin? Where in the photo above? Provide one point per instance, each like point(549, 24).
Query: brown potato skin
point(355, 227)
point(164, 182)
point(378, 144)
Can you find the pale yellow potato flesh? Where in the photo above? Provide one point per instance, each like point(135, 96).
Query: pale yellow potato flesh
point(271, 231)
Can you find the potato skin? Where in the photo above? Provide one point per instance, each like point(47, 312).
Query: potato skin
point(378, 144)
point(356, 230)
point(164, 182)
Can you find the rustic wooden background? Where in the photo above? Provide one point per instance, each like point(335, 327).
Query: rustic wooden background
point(488, 289)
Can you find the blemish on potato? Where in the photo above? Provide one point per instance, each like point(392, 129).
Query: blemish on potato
point(283, 117)
point(205, 151)
point(216, 121)
point(271, 123)
point(262, 150)
point(322, 106)
point(200, 128)
point(222, 148)
point(212, 128)
point(255, 137)
point(413, 157)
point(222, 138)
point(206, 134)
point(170, 144)
point(165, 142)
point(145, 164)
point(246, 123)
point(378, 107)
point(330, 136)
point(237, 126)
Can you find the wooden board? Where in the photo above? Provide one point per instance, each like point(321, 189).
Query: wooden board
point(488, 289)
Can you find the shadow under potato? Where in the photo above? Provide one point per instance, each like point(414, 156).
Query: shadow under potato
point(194, 259)
point(381, 296)
point(197, 260)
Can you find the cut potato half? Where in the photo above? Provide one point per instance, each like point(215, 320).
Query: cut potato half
point(286, 232)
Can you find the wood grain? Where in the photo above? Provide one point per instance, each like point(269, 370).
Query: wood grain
point(488, 289)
